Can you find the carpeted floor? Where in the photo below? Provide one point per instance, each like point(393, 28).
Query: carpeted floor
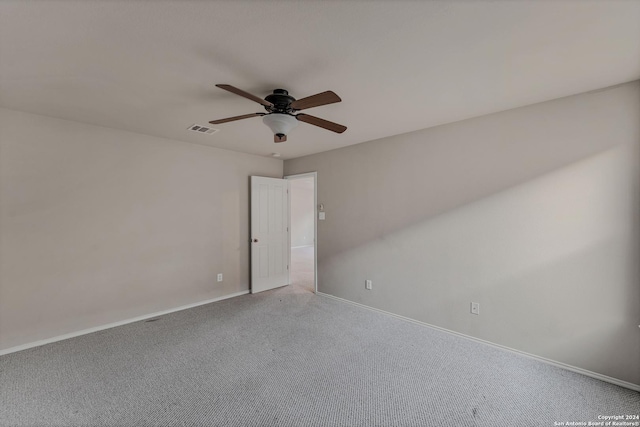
point(287, 357)
point(302, 268)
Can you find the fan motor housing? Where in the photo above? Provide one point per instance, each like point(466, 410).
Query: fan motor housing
point(281, 101)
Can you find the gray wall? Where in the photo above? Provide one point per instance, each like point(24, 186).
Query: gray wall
point(302, 211)
point(99, 225)
point(532, 212)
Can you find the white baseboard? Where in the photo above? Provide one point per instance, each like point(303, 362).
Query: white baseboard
point(114, 324)
point(591, 374)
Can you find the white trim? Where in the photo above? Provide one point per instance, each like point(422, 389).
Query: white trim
point(313, 175)
point(114, 324)
point(301, 246)
point(591, 374)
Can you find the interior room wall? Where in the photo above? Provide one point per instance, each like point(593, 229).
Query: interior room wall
point(99, 225)
point(531, 212)
point(302, 212)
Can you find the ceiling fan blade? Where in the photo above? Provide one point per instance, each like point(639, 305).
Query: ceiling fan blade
point(316, 121)
point(247, 95)
point(316, 100)
point(277, 138)
point(231, 119)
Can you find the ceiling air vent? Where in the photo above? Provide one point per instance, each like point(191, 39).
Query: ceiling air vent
point(202, 129)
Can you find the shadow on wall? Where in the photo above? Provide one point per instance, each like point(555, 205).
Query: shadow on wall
point(552, 262)
point(376, 188)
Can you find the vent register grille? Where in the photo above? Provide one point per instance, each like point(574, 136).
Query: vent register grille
point(202, 129)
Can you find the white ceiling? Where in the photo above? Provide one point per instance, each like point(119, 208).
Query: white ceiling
point(399, 66)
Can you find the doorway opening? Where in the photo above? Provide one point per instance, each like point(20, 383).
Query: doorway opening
point(303, 224)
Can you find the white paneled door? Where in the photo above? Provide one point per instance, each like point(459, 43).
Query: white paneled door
point(269, 233)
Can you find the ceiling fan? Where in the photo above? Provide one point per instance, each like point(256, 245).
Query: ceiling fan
point(281, 107)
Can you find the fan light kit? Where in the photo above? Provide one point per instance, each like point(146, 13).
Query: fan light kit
point(280, 124)
point(281, 106)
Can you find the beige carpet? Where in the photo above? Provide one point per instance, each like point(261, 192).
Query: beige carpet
point(283, 358)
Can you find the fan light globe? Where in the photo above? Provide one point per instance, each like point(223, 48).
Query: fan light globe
point(280, 123)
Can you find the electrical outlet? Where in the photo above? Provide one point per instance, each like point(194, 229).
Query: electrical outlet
point(368, 284)
point(475, 308)
point(219, 277)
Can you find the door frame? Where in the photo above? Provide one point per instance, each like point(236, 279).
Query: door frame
point(313, 175)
